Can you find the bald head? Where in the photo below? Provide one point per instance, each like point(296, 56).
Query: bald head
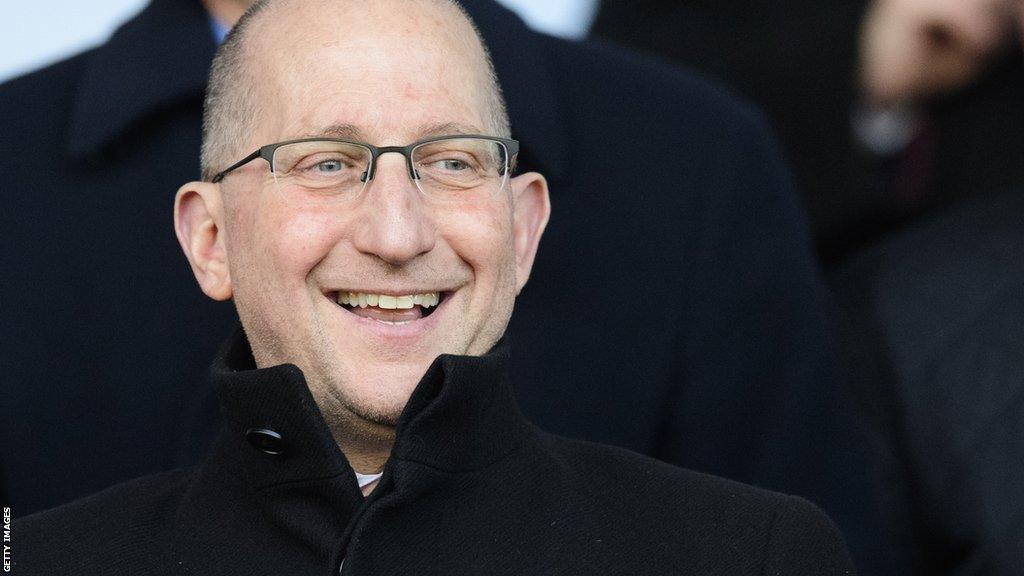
point(276, 41)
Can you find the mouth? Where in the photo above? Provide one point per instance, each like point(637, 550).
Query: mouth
point(394, 309)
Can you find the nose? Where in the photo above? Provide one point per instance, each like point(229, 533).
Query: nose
point(395, 224)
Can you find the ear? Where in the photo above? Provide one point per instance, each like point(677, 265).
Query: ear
point(530, 212)
point(198, 223)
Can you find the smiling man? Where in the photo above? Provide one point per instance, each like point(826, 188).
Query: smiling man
point(360, 207)
point(361, 264)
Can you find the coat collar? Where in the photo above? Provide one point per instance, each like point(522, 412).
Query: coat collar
point(157, 59)
point(461, 417)
point(162, 56)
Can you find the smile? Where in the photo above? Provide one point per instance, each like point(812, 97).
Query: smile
point(389, 308)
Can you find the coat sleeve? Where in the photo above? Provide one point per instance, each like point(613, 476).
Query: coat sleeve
point(804, 541)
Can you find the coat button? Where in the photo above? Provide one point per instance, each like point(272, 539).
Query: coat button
point(267, 441)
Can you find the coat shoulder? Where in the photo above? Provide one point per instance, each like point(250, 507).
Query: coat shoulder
point(35, 111)
point(732, 524)
point(105, 533)
point(805, 541)
point(51, 88)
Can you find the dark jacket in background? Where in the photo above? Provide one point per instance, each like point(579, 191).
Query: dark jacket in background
point(795, 59)
point(675, 274)
point(944, 303)
point(470, 488)
point(798, 59)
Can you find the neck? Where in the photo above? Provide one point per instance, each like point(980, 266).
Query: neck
point(367, 445)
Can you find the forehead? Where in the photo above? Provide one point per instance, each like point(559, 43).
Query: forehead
point(386, 72)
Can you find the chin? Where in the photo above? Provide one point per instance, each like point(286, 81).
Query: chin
point(379, 393)
point(381, 414)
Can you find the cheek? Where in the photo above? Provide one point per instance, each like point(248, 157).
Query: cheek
point(480, 233)
point(301, 239)
point(280, 244)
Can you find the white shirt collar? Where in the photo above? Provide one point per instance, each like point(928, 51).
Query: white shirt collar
point(365, 479)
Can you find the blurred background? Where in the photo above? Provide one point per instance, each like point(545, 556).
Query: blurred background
point(903, 124)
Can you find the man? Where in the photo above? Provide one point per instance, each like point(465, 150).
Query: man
point(353, 267)
point(682, 280)
point(936, 323)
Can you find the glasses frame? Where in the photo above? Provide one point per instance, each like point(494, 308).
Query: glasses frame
point(267, 153)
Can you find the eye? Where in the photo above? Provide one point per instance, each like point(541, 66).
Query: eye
point(329, 166)
point(324, 165)
point(452, 164)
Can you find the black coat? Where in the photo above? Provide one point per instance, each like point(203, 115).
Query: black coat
point(938, 314)
point(470, 488)
point(675, 273)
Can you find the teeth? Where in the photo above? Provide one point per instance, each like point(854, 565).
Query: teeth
point(387, 302)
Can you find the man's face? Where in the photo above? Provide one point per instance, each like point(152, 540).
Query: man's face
point(386, 77)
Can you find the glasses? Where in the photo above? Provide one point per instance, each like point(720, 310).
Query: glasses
point(443, 166)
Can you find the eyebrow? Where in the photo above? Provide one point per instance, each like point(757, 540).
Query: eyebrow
point(353, 132)
point(444, 128)
point(349, 131)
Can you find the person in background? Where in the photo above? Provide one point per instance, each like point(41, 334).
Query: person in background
point(941, 86)
point(935, 327)
point(679, 273)
point(912, 50)
point(864, 169)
